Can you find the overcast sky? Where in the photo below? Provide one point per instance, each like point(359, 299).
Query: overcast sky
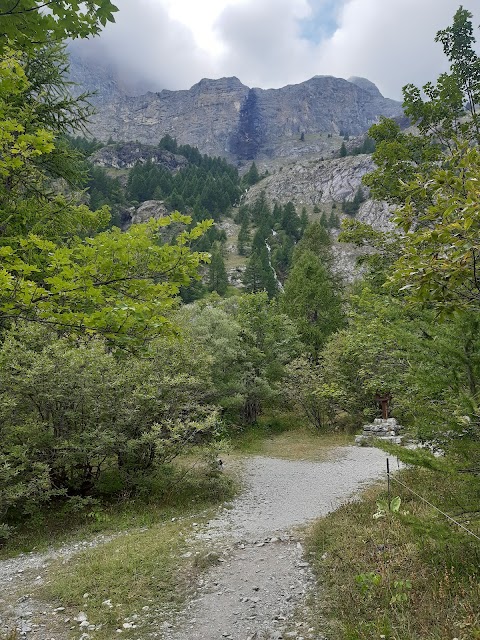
point(172, 44)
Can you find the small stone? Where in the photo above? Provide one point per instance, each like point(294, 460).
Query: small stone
point(84, 624)
point(81, 617)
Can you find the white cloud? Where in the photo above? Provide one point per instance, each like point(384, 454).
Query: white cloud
point(390, 42)
point(174, 43)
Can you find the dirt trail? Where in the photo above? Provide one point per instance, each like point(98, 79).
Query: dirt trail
point(261, 576)
point(264, 577)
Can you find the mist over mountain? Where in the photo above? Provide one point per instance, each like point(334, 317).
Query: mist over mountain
point(227, 118)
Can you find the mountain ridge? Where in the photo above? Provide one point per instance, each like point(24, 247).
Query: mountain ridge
point(224, 117)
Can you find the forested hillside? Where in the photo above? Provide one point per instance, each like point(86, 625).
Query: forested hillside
point(124, 347)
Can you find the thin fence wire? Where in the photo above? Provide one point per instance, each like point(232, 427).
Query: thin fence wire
point(459, 524)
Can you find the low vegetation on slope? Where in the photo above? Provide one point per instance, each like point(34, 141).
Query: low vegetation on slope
point(406, 574)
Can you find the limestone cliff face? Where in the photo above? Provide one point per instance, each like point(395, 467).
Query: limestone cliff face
point(317, 182)
point(313, 182)
point(226, 118)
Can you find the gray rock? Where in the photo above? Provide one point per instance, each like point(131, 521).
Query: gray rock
point(224, 117)
point(126, 155)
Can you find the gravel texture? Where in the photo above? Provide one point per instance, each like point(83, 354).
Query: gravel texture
point(264, 577)
point(259, 577)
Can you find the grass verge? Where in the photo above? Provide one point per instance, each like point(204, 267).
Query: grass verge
point(133, 583)
point(284, 435)
point(177, 491)
point(406, 576)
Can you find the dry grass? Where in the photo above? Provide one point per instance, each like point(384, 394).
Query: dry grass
point(407, 576)
point(285, 436)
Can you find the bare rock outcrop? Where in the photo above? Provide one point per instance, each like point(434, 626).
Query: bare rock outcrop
point(224, 117)
point(126, 155)
point(323, 182)
point(149, 209)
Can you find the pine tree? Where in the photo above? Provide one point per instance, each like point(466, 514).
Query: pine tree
point(259, 275)
point(217, 274)
point(244, 238)
point(311, 299)
point(343, 150)
point(290, 221)
point(303, 220)
point(260, 210)
point(252, 176)
point(334, 221)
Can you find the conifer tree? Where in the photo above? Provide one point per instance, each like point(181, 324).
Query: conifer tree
point(244, 238)
point(217, 273)
point(291, 223)
point(252, 176)
point(303, 219)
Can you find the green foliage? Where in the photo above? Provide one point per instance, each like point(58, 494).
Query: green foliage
point(343, 150)
point(258, 275)
point(217, 274)
point(244, 238)
point(252, 176)
point(26, 26)
point(250, 342)
point(117, 284)
point(76, 420)
point(308, 391)
point(208, 186)
point(352, 207)
point(312, 301)
point(311, 297)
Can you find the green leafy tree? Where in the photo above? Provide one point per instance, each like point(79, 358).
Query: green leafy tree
point(77, 421)
point(432, 178)
point(270, 341)
point(54, 269)
point(25, 25)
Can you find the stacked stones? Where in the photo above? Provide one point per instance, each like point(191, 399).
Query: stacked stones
point(386, 429)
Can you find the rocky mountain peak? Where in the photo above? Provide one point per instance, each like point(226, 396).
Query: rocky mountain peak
point(224, 117)
point(220, 84)
point(366, 85)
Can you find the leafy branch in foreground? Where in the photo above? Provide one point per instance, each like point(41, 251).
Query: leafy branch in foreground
point(27, 24)
point(117, 284)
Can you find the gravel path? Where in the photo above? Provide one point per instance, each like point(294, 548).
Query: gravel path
point(261, 577)
point(264, 576)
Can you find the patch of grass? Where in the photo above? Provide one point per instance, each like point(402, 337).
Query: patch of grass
point(283, 435)
point(175, 492)
point(141, 578)
point(405, 576)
